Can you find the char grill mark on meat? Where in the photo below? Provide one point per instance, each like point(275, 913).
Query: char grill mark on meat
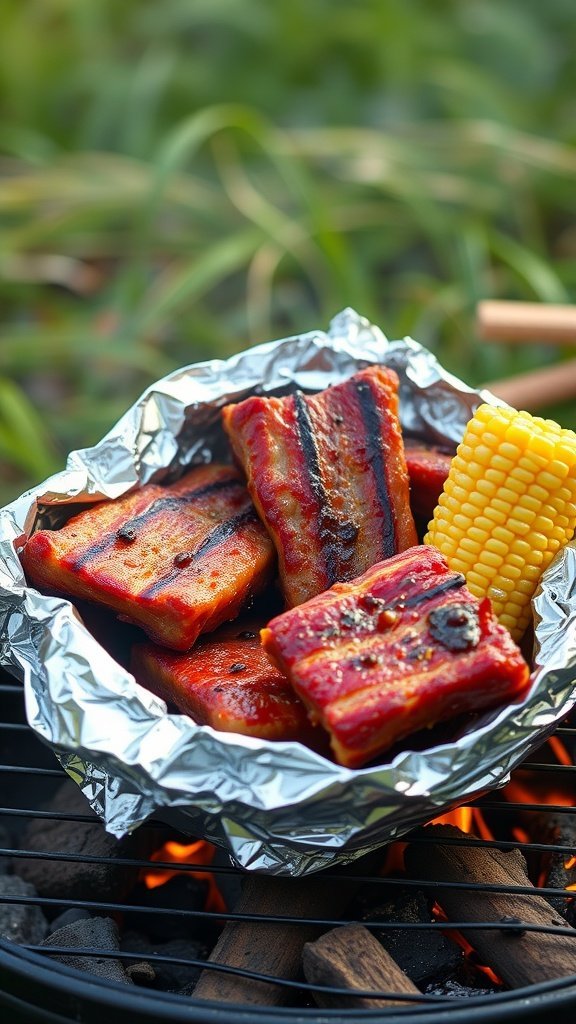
point(328, 476)
point(176, 560)
point(456, 580)
point(327, 521)
point(129, 531)
point(396, 650)
point(375, 457)
point(222, 532)
point(226, 682)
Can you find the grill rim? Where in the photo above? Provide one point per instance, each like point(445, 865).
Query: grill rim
point(87, 996)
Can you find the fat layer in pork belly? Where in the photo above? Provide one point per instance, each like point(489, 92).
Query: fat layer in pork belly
point(327, 473)
point(404, 646)
point(227, 682)
point(175, 560)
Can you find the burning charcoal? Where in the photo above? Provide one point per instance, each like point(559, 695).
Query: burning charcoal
point(20, 922)
point(455, 990)
point(70, 916)
point(425, 956)
point(141, 973)
point(168, 976)
point(183, 892)
point(99, 933)
point(72, 878)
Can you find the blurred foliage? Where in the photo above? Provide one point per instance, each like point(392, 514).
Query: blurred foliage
point(179, 180)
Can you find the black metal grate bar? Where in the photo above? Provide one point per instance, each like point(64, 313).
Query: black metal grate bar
point(325, 922)
point(84, 858)
point(507, 810)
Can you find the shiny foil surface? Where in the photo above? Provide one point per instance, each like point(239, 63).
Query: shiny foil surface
point(278, 808)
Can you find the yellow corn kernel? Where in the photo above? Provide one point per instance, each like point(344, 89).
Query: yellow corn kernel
point(475, 581)
point(501, 506)
point(467, 544)
point(500, 463)
point(503, 535)
point(549, 481)
point(489, 558)
point(497, 546)
point(509, 504)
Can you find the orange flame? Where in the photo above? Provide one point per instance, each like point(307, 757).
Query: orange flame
point(462, 941)
point(199, 852)
point(460, 816)
point(559, 751)
point(394, 859)
point(480, 825)
point(520, 835)
point(537, 792)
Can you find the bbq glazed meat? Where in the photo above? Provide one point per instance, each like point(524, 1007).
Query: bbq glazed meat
point(328, 476)
point(428, 466)
point(176, 561)
point(402, 647)
point(227, 682)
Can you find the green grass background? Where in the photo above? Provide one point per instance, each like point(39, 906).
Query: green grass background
point(181, 179)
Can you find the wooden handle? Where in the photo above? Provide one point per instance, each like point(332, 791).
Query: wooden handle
point(538, 388)
point(526, 321)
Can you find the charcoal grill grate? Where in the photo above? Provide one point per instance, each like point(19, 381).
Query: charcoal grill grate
point(497, 1006)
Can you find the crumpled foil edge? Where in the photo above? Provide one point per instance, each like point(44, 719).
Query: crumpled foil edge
point(278, 808)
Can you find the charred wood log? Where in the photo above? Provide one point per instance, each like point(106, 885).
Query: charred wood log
point(558, 870)
point(269, 947)
point(351, 957)
point(518, 956)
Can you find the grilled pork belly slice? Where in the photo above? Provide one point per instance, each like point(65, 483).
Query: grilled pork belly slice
point(227, 682)
point(428, 466)
point(328, 476)
point(176, 561)
point(402, 647)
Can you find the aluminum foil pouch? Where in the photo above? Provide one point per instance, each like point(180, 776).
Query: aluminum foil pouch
point(276, 807)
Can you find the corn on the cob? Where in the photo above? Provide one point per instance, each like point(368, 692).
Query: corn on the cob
point(508, 505)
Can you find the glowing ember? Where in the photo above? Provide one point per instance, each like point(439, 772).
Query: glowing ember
point(520, 835)
point(537, 792)
point(480, 825)
point(469, 951)
point(559, 751)
point(460, 816)
point(393, 859)
point(199, 852)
